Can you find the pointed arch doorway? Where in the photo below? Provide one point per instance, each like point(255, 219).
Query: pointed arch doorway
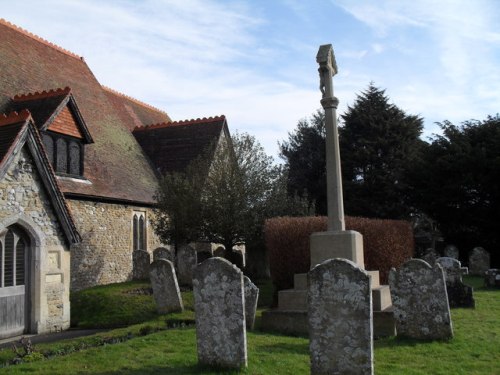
point(15, 281)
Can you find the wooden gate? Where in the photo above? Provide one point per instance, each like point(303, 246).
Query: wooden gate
point(14, 281)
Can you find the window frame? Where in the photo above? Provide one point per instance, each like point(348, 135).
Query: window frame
point(53, 157)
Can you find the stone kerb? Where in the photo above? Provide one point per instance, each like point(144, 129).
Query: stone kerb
point(459, 294)
point(479, 261)
point(251, 298)
point(420, 301)
point(140, 261)
point(340, 318)
point(165, 287)
point(220, 314)
point(163, 253)
point(186, 262)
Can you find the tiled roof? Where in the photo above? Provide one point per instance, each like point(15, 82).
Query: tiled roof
point(115, 164)
point(16, 131)
point(171, 146)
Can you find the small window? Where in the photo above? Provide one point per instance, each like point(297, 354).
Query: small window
point(74, 158)
point(13, 253)
point(139, 231)
point(64, 153)
point(9, 260)
point(62, 156)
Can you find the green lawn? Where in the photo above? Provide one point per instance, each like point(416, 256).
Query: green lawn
point(475, 349)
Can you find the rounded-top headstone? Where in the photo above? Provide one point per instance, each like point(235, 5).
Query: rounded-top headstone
point(451, 251)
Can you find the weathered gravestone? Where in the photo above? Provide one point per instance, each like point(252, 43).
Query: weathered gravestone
point(140, 264)
point(340, 318)
point(163, 253)
point(451, 251)
point(219, 305)
point(165, 287)
point(421, 308)
point(186, 262)
point(479, 261)
point(251, 298)
point(492, 278)
point(430, 255)
point(459, 294)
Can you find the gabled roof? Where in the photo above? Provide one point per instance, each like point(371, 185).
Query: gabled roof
point(115, 164)
point(45, 106)
point(171, 146)
point(17, 130)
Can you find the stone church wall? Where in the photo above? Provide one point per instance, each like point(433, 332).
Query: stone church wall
point(105, 254)
point(24, 201)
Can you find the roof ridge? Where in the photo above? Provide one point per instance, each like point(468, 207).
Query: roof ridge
point(14, 117)
point(137, 101)
point(43, 94)
point(180, 122)
point(40, 39)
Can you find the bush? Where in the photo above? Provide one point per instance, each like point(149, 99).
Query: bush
point(387, 243)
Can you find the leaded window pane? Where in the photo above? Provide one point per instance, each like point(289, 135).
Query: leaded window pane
point(20, 261)
point(142, 237)
point(9, 259)
point(62, 156)
point(135, 237)
point(49, 147)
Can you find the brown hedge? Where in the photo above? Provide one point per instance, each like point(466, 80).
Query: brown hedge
point(387, 243)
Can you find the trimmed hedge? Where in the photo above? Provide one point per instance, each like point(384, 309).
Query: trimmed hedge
point(387, 243)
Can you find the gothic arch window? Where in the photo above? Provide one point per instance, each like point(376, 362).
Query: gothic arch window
point(13, 254)
point(64, 153)
point(139, 231)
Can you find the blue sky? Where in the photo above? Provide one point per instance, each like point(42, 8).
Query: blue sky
point(254, 60)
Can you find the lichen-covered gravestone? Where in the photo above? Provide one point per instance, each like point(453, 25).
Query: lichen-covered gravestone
point(140, 264)
point(451, 251)
point(165, 287)
point(251, 298)
point(340, 318)
point(163, 253)
point(186, 262)
point(219, 305)
point(479, 261)
point(420, 301)
point(459, 294)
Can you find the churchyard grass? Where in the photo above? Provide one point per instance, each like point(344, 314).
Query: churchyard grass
point(475, 349)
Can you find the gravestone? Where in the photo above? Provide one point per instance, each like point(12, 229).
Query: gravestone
point(165, 287)
point(451, 251)
point(430, 255)
point(203, 256)
point(163, 253)
point(421, 308)
point(492, 278)
point(251, 298)
point(186, 262)
point(479, 261)
point(340, 318)
point(459, 294)
point(219, 305)
point(140, 264)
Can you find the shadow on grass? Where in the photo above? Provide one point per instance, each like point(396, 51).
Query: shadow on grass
point(177, 369)
point(393, 342)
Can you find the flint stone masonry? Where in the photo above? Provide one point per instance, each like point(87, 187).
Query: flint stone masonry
point(165, 287)
point(163, 253)
point(186, 262)
point(340, 319)
point(251, 298)
point(219, 304)
point(459, 294)
point(451, 251)
point(492, 278)
point(23, 196)
point(479, 261)
point(141, 261)
point(105, 254)
point(420, 301)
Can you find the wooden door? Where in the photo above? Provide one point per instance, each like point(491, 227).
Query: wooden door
point(13, 282)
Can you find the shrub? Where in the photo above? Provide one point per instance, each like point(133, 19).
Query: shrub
point(387, 243)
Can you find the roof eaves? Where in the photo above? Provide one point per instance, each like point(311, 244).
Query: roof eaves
point(204, 120)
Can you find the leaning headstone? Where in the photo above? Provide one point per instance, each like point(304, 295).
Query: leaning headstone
point(186, 262)
point(163, 253)
point(430, 255)
point(459, 294)
point(492, 278)
point(140, 264)
point(219, 305)
point(251, 298)
point(340, 318)
point(421, 308)
point(451, 251)
point(165, 287)
point(479, 261)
